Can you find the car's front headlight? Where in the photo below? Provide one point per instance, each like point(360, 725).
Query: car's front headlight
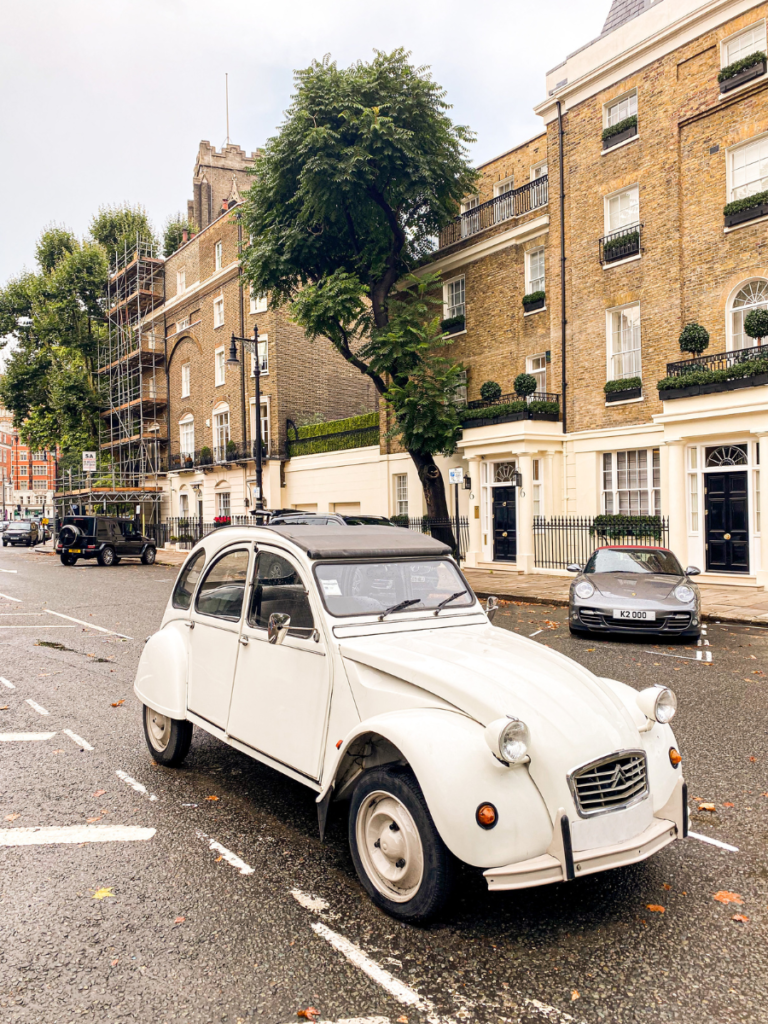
point(684, 594)
point(658, 703)
point(584, 589)
point(508, 739)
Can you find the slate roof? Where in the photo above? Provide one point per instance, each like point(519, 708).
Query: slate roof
point(623, 11)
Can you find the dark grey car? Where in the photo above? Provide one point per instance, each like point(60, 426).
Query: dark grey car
point(635, 590)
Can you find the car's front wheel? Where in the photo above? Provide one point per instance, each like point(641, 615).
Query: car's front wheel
point(148, 556)
point(398, 854)
point(168, 739)
point(106, 556)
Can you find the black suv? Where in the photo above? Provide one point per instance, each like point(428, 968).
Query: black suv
point(24, 531)
point(104, 538)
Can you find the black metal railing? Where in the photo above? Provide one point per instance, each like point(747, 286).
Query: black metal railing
point(495, 211)
point(537, 396)
point(562, 540)
point(359, 437)
point(215, 455)
point(717, 361)
point(431, 525)
point(158, 532)
point(186, 531)
point(619, 245)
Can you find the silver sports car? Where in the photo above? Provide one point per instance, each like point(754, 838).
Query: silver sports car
point(635, 590)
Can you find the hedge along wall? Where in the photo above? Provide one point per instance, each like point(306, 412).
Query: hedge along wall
point(335, 435)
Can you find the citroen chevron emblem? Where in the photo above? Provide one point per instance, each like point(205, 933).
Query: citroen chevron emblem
point(618, 778)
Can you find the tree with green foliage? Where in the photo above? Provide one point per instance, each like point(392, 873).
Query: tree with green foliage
point(173, 233)
point(118, 227)
point(346, 202)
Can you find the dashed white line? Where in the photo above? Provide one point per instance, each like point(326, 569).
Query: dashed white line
point(228, 856)
point(36, 707)
point(713, 842)
point(9, 570)
point(550, 1012)
point(314, 903)
point(9, 598)
point(74, 834)
point(7, 682)
point(77, 739)
point(134, 784)
point(90, 625)
point(20, 737)
point(536, 633)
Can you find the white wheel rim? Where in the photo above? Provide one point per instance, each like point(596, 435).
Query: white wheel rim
point(393, 857)
point(159, 729)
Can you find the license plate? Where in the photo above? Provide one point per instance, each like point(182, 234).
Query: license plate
point(634, 614)
point(75, 551)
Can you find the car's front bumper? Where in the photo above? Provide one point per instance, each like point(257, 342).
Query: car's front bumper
point(591, 618)
point(561, 863)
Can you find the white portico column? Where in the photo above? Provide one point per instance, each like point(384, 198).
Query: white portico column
point(474, 553)
point(678, 527)
point(762, 572)
point(525, 554)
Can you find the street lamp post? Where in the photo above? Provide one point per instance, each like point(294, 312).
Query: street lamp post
point(252, 345)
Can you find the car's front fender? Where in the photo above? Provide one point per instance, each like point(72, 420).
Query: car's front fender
point(161, 678)
point(457, 773)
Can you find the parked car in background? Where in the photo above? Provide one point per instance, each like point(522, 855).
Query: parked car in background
point(327, 519)
point(21, 532)
point(638, 590)
point(105, 538)
point(360, 663)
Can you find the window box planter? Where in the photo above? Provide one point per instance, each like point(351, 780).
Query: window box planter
point(614, 140)
point(621, 247)
point(511, 417)
point(529, 307)
point(667, 394)
point(732, 219)
point(746, 75)
point(623, 396)
point(453, 325)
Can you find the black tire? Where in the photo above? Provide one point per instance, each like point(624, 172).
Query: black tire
point(148, 556)
point(434, 887)
point(69, 534)
point(172, 746)
point(67, 559)
point(115, 560)
point(106, 556)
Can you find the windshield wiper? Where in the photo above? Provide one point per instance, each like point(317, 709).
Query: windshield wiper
point(399, 607)
point(459, 593)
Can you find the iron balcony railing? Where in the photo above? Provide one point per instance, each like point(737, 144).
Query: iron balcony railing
point(509, 204)
point(621, 244)
point(537, 396)
point(233, 451)
point(562, 540)
point(717, 361)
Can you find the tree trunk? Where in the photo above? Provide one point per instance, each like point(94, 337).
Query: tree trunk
point(434, 492)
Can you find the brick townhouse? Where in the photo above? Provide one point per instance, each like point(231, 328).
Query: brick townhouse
point(27, 477)
point(211, 410)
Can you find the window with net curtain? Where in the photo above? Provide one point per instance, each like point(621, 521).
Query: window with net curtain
point(453, 298)
point(749, 169)
point(187, 435)
point(221, 432)
point(753, 295)
point(624, 354)
point(632, 482)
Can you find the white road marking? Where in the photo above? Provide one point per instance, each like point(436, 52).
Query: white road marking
point(7, 682)
point(355, 1020)
point(9, 570)
point(62, 626)
point(550, 1012)
point(17, 737)
point(536, 633)
point(35, 706)
point(134, 784)
point(700, 655)
point(77, 739)
point(74, 834)
point(9, 598)
point(229, 857)
point(314, 903)
point(90, 625)
point(713, 842)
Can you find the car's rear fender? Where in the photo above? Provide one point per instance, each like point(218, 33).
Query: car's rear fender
point(457, 773)
point(161, 678)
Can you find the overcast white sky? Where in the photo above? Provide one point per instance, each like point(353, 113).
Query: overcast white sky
point(106, 100)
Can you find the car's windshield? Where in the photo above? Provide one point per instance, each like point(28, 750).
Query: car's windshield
point(646, 560)
point(22, 526)
point(367, 521)
point(367, 588)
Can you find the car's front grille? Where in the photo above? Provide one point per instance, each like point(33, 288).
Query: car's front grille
point(671, 622)
point(610, 783)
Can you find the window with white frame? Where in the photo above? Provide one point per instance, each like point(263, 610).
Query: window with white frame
point(537, 367)
point(624, 354)
point(217, 255)
point(258, 302)
point(539, 170)
point(505, 208)
point(453, 298)
point(223, 506)
point(460, 394)
point(184, 504)
point(503, 186)
point(220, 433)
point(182, 324)
point(748, 169)
point(470, 204)
point(744, 44)
point(186, 379)
point(470, 221)
point(263, 420)
point(538, 504)
point(693, 488)
point(187, 435)
point(620, 109)
point(401, 494)
point(632, 482)
point(218, 311)
point(181, 281)
point(752, 295)
point(622, 209)
point(534, 271)
point(263, 356)
point(220, 367)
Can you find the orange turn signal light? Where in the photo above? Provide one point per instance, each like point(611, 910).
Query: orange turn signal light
point(675, 757)
point(486, 815)
point(339, 744)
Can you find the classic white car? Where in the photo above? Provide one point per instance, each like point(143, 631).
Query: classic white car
point(360, 663)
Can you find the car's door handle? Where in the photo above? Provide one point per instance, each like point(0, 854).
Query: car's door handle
point(189, 625)
point(244, 641)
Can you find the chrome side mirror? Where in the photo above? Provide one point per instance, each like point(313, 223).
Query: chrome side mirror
point(573, 567)
point(278, 627)
point(491, 607)
point(692, 571)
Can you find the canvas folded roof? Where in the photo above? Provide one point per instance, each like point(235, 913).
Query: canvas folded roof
point(327, 542)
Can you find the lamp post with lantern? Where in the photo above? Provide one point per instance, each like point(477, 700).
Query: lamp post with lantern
point(252, 345)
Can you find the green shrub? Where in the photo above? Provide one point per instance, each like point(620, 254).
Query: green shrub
point(756, 323)
point(617, 527)
point(231, 449)
point(452, 325)
point(620, 126)
point(490, 391)
point(525, 384)
point(306, 444)
point(746, 204)
point(622, 385)
point(693, 338)
point(533, 297)
point(206, 456)
point(699, 375)
point(489, 412)
point(740, 65)
point(621, 241)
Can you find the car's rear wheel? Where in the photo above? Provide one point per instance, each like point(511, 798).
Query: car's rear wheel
point(168, 739)
point(115, 560)
point(68, 559)
point(106, 556)
point(402, 862)
point(148, 556)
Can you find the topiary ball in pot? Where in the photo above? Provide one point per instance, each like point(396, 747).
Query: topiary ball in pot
point(693, 338)
point(490, 391)
point(756, 323)
point(525, 384)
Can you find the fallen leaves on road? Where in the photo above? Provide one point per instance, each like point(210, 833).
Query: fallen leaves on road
point(90, 821)
point(5, 707)
point(115, 962)
point(666, 885)
point(574, 995)
point(179, 920)
point(740, 917)
point(655, 908)
point(217, 859)
point(707, 807)
point(211, 798)
point(729, 805)
point(309, 1014)
point(12, 817)
point(402, 1020)
point(727, 897)
point(102, 893)
point(117, 703)
point(100, 792)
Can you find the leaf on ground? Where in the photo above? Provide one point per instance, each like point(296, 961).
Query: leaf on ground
point(117, 703)
point(5, 707)
point(666, 886)
point(211, 798)
point(115, 962)
point(729, 805)
point(179, 920)
point(217, 859)
point(574, 995)
point(753, 759)
point(309, 1014)
point(402, 1020)
point(12, 817)
point(740, 917)
point(590, 649)
point(723, 896)
point(707, 807)
point(102, 893)
point(100, 792)
point(655, 908)
point(91, 820)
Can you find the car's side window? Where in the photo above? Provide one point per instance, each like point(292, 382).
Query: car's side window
point(102, 529)
point(277, 587)
point(187, 581)
point(223, 587)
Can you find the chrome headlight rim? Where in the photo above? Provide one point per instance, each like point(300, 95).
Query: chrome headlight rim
point(685, 594)
point(584, 590)
point(508, 739)
point(658, 704)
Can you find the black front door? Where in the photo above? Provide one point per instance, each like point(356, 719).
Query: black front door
point(504, 524)
point(727, 518)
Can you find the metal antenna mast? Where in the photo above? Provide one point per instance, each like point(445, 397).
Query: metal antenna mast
point(226, 92)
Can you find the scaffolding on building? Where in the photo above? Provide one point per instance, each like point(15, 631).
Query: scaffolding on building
point(133, 433)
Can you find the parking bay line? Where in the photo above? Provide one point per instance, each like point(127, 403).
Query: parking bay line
point(134, 784)
point(40, 836)
point(78, 740)
point(9, 598)
point(713, 842)
point(228, 856)
point(36, 707)
point(7, 682)
point(90, 625)
point(57, 626)
point(703, 656)
point(18, 737)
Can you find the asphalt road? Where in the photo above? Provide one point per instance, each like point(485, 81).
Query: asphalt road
point(232, 910)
